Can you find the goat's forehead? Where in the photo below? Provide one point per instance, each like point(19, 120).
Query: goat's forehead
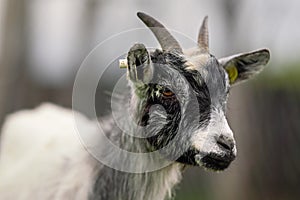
point(215, 78)
point(210, 74)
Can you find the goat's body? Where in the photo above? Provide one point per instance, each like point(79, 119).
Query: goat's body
point(179, 103)
point(42, 158)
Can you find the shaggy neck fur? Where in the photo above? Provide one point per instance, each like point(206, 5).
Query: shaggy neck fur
point(113, 184)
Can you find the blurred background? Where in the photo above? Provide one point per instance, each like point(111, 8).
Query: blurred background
point(43, 43)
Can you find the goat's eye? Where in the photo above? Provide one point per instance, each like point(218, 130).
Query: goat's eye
point(167, 93)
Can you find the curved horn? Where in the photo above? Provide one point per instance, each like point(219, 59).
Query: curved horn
point(203, 42)
point(165, 39)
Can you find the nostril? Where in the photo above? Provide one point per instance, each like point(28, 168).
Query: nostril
point(225, 143)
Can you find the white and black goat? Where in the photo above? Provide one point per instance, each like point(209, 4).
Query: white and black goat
point(179, 97)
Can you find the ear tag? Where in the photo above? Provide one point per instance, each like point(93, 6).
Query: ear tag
point(123, 63)
point(232, 73)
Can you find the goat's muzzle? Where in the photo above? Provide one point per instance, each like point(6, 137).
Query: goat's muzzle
point(217, 162)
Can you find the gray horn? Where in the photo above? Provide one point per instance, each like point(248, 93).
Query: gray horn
point(203, 42)
point(165, 39)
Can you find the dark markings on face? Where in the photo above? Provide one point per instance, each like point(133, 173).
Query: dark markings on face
point(172, 105)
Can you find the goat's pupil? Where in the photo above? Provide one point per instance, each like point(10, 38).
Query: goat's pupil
point(165, 97)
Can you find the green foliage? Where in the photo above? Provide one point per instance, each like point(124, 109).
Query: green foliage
point(288, 79)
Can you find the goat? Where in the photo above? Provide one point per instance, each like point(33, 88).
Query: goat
point(178, 99)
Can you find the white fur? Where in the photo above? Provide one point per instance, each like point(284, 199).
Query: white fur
point(205, 140)
point(41, 156)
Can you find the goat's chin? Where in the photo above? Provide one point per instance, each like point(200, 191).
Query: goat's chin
point(210, 161)
point(214, 161)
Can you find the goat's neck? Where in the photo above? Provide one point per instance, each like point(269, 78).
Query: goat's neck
point(113, 184)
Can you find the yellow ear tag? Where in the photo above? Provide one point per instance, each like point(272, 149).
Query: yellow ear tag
point(123, 63)
point(232, 73)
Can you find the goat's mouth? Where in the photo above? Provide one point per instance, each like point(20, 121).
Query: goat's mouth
point(214, 161)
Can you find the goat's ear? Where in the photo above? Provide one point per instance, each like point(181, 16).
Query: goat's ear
point(139, 67)
point(243, 66)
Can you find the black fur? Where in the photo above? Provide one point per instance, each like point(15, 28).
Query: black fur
point(172, 106)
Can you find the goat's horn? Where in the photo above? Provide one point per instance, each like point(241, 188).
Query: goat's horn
point(165, 39)
point(203, 42)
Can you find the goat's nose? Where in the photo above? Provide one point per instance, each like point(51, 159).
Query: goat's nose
point(225, 143)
